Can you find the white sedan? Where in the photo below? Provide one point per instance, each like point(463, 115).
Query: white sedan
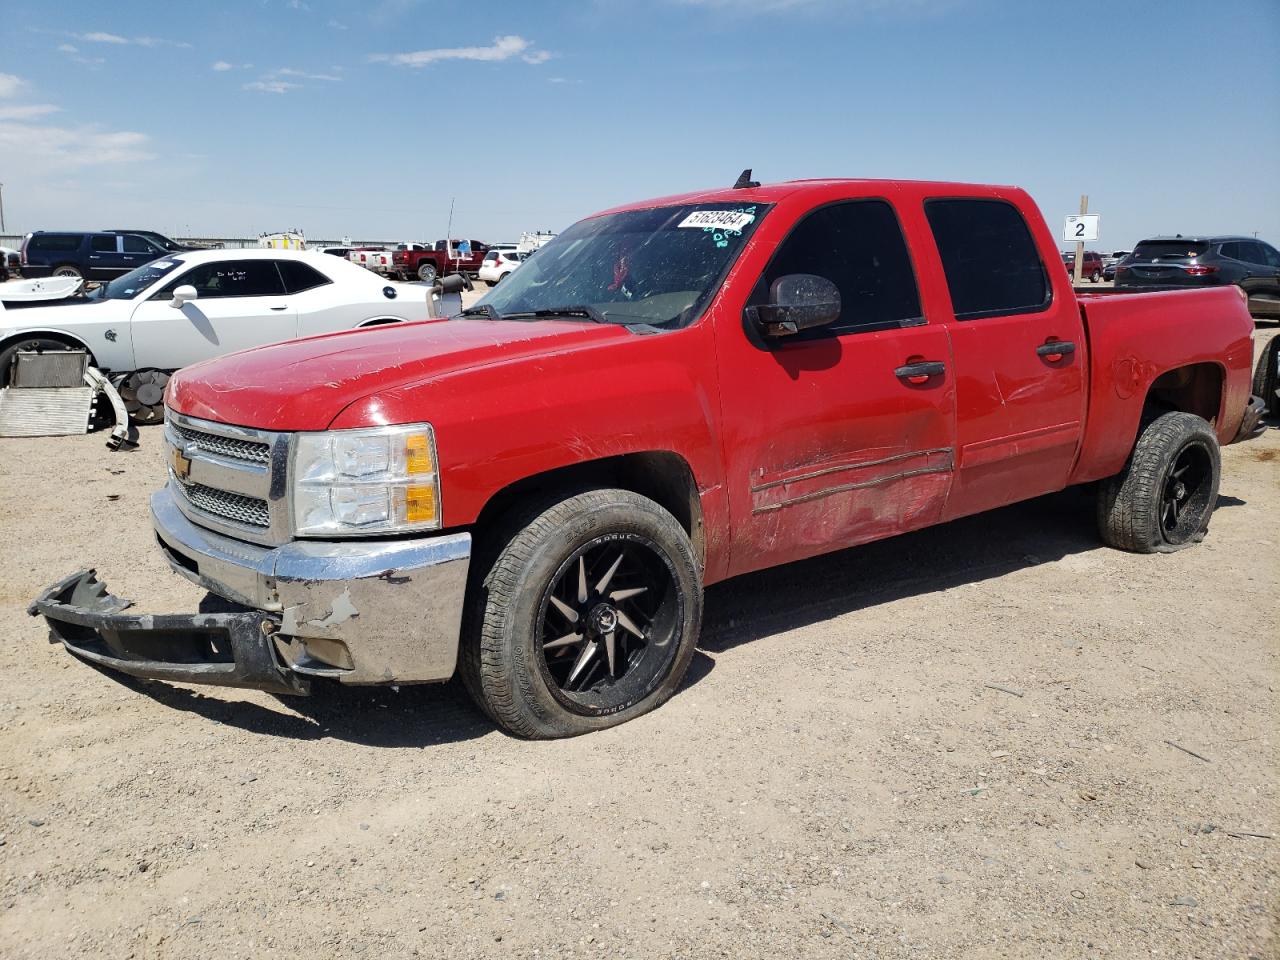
point(499, 262)
point(192, 306)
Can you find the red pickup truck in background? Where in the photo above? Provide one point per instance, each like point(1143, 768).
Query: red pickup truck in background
point(457, 256)
point(670, 393)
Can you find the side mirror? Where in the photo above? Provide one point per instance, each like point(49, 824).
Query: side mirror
point(453, 283)
point(797, 301)
point(182, 295)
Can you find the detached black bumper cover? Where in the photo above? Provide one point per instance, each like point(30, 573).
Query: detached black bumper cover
point(227, 649)
point(1252, 426)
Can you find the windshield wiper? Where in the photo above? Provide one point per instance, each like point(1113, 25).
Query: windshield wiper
point(482, 310)
point(584, 311)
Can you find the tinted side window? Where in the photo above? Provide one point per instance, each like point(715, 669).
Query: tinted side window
point(1272, 255)
point(1253, 253)
point(102, 244)
point(136, 244)
point(1231, 251)
point(230, 278)
point(858, 246)
point(990, 258)
point(300, 276)
point(59, 242)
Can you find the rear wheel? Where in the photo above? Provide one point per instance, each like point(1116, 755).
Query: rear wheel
point(143, 394)
point(1162, 500)
point(67, 270)
point(1266, 376)
point(1095, 277)
point(427, 272)
point(587, 618)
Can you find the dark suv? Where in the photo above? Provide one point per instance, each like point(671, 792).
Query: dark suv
point(1250, 264)
point(94, 256)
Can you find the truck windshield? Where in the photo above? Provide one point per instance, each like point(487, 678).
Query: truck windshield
point(656, 267)
point(135, 281)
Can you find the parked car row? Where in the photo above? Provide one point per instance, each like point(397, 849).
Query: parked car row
point(1207, 261)
point(187, 307)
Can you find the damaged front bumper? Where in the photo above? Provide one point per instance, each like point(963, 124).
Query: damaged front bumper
point(360, 612)
point(227, 649)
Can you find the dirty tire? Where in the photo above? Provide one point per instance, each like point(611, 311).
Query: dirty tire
point(503, 662)
point(1140, 509)
point(427, 272)
point(1266, 377)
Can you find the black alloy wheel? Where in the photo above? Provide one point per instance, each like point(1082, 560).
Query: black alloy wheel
point(1188, 485)
point(608, 620)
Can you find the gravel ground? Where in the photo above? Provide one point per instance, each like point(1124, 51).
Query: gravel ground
point(841, 775)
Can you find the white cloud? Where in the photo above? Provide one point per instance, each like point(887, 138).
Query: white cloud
point(272, 86)
point(28, 111)
point(302, 74)
point(98, 37)
point(115, 39)
point(10, 85)
point(47, 147)
point(502, 48)
point(336, 25)
point(67, 48)
point(221, 66)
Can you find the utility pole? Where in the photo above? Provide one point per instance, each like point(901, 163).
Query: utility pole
point(1, 208)
point(1079, 268)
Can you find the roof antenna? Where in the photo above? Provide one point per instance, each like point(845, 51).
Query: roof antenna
point(744, 181)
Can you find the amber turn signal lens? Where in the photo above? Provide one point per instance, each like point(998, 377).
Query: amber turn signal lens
point(420, 504)
point(417, 455)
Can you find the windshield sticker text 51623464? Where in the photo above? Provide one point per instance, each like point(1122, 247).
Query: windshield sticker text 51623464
point(721, 224)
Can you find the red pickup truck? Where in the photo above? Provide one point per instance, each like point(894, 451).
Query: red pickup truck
point(458, 256)
point(668, 394)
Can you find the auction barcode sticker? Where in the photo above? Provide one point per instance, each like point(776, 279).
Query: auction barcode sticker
point(717, 219)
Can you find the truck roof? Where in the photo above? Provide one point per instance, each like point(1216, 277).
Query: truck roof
point(774, 192)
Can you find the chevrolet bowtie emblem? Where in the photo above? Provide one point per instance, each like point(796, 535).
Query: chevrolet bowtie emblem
point(181, 464)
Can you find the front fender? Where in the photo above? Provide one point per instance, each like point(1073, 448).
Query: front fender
point(506, 421)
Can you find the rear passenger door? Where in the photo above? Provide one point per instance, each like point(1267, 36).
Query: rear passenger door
point(1020, 356)
point(105, 260)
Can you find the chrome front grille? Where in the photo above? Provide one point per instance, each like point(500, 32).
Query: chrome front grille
point(230, 479)
point(233, 448)
point(230, 506)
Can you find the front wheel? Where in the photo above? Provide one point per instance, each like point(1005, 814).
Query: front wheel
point(427, 272)
point(586, 619)
point(1163, 498)
point(1095, 277)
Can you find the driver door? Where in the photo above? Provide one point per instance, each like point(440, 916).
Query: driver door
point(239, 304)
point(843, 434)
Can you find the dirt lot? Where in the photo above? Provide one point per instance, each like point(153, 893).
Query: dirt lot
point(838, 777)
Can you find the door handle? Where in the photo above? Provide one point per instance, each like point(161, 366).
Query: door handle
point(920, 372)
point(284, 307)
point(1056, 349)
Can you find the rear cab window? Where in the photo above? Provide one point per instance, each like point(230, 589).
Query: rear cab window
point(989, 256)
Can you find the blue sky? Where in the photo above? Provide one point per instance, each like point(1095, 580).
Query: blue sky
point(242, 116)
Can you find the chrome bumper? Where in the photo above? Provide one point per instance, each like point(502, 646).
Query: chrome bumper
point(356, 611)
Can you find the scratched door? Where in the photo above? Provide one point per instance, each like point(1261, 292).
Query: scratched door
point(841, 435)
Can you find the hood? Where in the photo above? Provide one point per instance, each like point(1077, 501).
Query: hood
point(305, 384)
point(48, 314)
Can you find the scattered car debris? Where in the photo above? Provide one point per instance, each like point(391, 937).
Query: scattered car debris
point(1008, 690)
point(1178, 746)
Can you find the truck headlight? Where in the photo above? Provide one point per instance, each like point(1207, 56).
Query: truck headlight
point(365, 482)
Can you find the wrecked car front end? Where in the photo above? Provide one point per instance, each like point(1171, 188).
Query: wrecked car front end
point(362, 610)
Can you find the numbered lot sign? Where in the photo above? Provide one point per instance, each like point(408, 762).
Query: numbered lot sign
point(1082, 228)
